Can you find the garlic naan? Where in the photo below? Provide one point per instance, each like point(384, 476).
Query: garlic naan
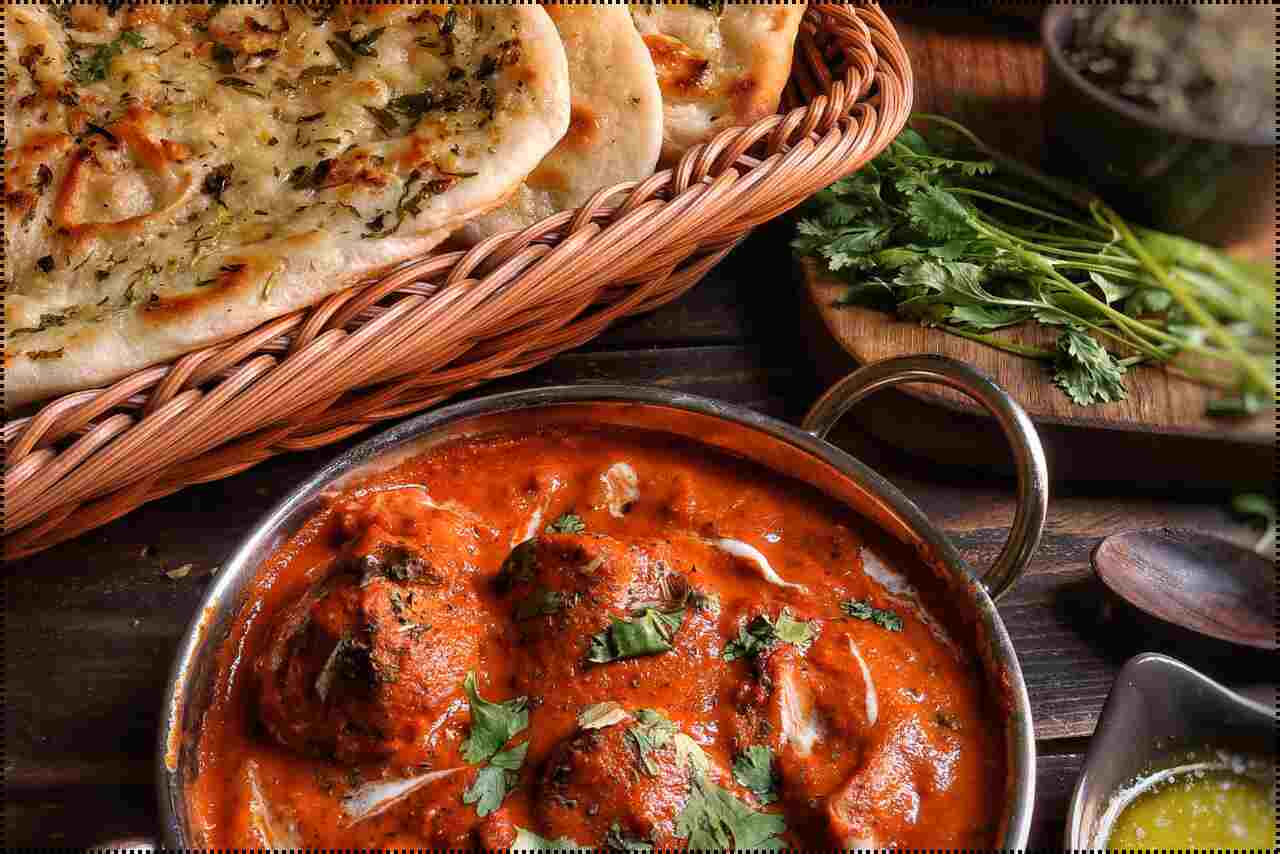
point(615, 133)
point(178, 174)
point(720, 64)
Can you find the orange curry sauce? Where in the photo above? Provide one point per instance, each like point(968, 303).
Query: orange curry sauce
point(341, 684)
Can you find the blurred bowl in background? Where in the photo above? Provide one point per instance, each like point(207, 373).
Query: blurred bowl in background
point(1209, 183)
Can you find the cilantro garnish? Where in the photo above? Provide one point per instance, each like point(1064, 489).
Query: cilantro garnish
point(652, 732)
point(649, 633)
point(941, 230)
point(861, 609)
point(492, 724)
point(495, 780)
point(520, 565)
point(753, 769)
point(713, 819)
point(569, 523)
point(762, 633)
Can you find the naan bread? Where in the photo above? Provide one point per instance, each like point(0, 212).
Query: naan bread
point(615, 133)
point(720, 64)
point(178, 174)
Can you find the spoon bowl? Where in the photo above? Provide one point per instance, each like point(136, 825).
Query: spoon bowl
point(1201, 583)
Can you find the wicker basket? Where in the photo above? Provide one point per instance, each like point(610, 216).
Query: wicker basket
point(448, 322)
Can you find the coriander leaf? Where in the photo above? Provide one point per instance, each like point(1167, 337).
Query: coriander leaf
point(872, 293)
point(987, 317)
point(616, 840)
point(492, 724)
point(649, 633)
point(753, 769)
point(495, 780)
point(519, 566)
point(761, 633)
point(713, 819)
point(862, 610)
point(795, 632)
point(527, 840)
point(1112, 292)
point(567, 524)
point(939, 214)
point(653, 731)
point(1086, 371)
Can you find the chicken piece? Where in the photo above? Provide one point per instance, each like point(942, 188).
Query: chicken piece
point(449, 537)
point(808, 707)
point(369, 664)
point(565, 588)
point(881, 802)
point(630, 778)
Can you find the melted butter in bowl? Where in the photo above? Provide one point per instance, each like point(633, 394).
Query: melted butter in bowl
point(1223, 803)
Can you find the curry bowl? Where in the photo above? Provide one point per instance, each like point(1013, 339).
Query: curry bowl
point(1162, 719)
point(798, 455)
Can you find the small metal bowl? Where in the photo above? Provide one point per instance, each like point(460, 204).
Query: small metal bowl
point(798, 453)
point(1158, 711)
point(1192, 179)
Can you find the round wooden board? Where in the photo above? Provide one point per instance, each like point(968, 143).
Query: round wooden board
point(1158, 402)
point(988, 73)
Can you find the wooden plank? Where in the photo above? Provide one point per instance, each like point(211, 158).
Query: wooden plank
point(1055, 781)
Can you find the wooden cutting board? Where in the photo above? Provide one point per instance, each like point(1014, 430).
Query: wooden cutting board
point(988, 73)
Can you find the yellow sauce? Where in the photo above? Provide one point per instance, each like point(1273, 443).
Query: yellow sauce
point(1200, 809)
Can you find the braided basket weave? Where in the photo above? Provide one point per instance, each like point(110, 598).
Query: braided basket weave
point(447, 322)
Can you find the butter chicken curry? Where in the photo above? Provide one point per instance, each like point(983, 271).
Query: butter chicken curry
point(603, 638)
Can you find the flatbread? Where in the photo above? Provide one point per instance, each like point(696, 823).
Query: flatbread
point(615, 133)
point(720, 65)
point(178, 174)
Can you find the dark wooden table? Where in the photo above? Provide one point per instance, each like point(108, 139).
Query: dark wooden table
point(92, 625)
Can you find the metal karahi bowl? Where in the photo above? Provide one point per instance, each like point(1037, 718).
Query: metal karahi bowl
point(797, 453)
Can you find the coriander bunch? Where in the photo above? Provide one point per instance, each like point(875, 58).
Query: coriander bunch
point(943, 230)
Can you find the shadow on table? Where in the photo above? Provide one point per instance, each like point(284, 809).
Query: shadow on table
point(1118, 631)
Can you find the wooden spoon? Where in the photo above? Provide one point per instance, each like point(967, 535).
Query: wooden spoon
point(1200, 583)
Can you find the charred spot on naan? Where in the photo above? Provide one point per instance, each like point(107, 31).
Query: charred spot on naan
point(681, 71)
point(30, 174)
point(585, 128)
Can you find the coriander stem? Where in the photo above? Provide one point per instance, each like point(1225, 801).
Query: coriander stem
point(1189, 304)
point(1024, 350)
point(978, 194)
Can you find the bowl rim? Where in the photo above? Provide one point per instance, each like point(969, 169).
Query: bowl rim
point(241, 566)
point(1050, 36)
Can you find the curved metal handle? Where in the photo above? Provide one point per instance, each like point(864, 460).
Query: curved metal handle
point(139, 844)
point(1033, 471)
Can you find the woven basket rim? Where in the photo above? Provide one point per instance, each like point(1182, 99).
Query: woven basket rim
point(441, 324)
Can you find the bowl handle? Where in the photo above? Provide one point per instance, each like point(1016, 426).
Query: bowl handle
point(132, 845)
point(1033, 471)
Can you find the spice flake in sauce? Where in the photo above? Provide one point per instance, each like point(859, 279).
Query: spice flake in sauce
point(690, 655)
